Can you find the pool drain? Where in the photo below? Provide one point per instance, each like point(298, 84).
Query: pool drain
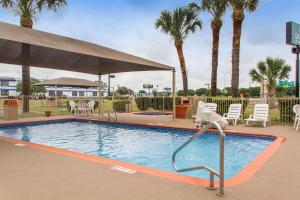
point(20, 145)
point(123, 169)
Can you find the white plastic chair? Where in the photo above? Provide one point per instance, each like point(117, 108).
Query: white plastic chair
point(90, 106)
point(73, 107)
point(296, 110)
point(82, 108)
point(212, 106)
point(234, 113)
point(260, 114)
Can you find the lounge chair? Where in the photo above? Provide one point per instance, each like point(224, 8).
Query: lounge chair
point(212, 106)
point(234, 113)
point(204, 114)
point(296, 110)
point(260, 114)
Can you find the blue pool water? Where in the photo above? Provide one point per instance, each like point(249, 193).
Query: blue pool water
point(152, 147)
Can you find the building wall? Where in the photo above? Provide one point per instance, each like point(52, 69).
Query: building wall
point(8, 88)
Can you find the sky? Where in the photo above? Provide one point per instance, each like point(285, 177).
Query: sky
point(128, 25)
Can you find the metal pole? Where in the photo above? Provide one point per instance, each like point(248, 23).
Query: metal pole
point(297, 71)
point(100, 94)
point(108, 84)
point(222, 154)
point(174, 92)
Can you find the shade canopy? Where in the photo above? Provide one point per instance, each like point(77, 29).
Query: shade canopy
point(58, 52)
point(68, 82)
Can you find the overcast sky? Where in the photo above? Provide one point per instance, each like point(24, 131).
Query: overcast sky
point(128, 25)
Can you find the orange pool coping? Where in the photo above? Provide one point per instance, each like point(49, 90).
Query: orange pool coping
point(245, 174)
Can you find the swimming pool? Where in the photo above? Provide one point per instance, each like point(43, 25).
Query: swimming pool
point(143, 145)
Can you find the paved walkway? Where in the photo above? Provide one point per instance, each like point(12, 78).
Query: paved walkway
point(31, 174)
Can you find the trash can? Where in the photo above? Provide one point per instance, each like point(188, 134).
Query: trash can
point(10, 109)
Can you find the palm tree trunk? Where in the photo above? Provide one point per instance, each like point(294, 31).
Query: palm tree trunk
point(215, 56)
point(236, 41)
point(183, 68)
point(26, 22)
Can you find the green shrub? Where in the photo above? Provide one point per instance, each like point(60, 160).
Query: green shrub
point(157, 103)
point(142, 103)
point(286, 109)
point(120, 105)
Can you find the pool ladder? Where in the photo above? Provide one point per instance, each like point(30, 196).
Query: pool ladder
point(211, 171)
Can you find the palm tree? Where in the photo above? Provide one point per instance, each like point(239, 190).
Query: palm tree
point(217, 9)
point(178, 24)
point(238, 15)
point(27, 10)
point(270, 71)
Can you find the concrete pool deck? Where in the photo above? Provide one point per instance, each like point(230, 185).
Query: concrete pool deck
point(30, 173)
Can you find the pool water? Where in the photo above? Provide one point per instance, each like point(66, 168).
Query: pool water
point(146, 146)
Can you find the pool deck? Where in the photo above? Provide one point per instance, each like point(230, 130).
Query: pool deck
point(29, 173)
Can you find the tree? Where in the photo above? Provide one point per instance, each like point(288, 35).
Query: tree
point(124, 91)
point(202, 92)
point(180, 93)
point(270, 71)
point(142, 92)
point(34, 89)
point(191, 92)
point(217, 9)
point(27, 10)
point(238, 15)
point(178, 24)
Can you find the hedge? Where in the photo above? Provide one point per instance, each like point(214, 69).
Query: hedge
point(143, 103)
point(120, 106)
point(118, 97)
point(286, 109)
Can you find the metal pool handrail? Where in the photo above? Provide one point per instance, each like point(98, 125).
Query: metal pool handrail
point(211, 171)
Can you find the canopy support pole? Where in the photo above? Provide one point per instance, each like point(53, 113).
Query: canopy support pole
point(100, 95)
point(174, 92)
point(100, 89)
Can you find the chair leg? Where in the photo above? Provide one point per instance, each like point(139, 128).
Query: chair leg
point(295, 122)
point(297, 125)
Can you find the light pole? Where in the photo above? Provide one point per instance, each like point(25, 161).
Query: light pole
point(109, 77)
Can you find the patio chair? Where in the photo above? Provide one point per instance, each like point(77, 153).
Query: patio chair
point(234, 113)
point(260, 114)
point(296, 110)
point(73, 107)
point(82, 108)
point(90, 106)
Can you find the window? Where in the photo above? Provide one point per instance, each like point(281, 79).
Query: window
point(4, 93)
point(74, 94)
point(81, 93)
point(59, 93)
point(95, 94)
point(4, 83)
point(51, 93)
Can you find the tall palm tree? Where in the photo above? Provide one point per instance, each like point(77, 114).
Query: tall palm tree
point(27, 10)
point(238, 15)
point(217, 9)
point(270, 71)
point(178, 24)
